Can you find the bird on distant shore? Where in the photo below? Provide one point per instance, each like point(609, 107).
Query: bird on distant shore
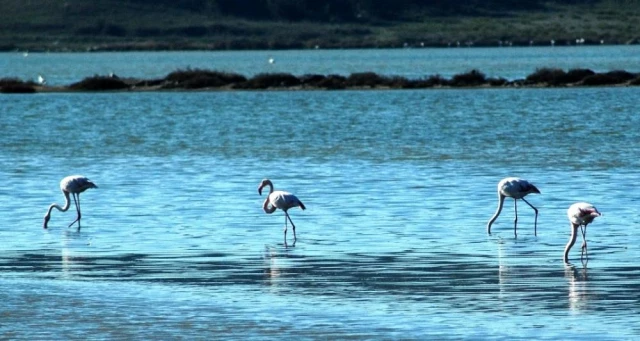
point(282, 200)
point(515, 188)
point(74, 185)
point(41, 80)
point(580, 215)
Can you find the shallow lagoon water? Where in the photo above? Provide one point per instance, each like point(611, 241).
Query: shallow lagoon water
point(399, 186)
point(510, 63)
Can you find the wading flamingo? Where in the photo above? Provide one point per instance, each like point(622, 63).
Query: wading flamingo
point(74, 184)
point(580, 215)
point(515, 188)
point(282, 200)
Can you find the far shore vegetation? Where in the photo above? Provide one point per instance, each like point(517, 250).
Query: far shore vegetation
point(125, 25)
point(211, 80)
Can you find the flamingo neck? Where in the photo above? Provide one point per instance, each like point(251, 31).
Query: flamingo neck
point(495, 215)
point(67, 204)
point(572, 240)
point(267, 207)
point(270, 187)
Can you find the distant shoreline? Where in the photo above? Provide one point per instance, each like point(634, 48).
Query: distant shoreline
point(211, 80)
point(209, 47)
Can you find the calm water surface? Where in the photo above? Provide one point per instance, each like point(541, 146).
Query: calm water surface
point(398, 185)
point(509, 63)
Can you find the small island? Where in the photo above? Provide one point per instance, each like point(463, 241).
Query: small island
point(212, 80)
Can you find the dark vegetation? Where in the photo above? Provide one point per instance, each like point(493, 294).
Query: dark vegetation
point(609, 78)
point(16, 86)
point(96, 83)
point(293, 24)
point(197, 79)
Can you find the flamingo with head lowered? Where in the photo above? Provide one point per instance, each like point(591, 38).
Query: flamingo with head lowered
point(515, 188)
point(580, 215)
point(282, 200)
point(73, 184)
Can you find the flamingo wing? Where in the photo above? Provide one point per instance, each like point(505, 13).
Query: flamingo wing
point(516, 188)
point(285, 200)
point(76, 184)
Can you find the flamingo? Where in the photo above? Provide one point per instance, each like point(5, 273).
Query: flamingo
point(515, 188)
point(74, 184)
point(282, 200)
point(580, 215)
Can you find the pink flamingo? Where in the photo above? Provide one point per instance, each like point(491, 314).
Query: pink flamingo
point(580, 215)
point(282, 200)
point(74, 184)
point(515, 188)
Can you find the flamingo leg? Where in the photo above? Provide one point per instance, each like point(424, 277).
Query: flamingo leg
point(583, 229)
point(77, 203)
point(285, 227)
point(535, 225)
point(584, 253)
point(292, 225)
point(515, 221)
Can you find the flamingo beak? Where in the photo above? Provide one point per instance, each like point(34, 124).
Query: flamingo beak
point(46, 221)
point(260, 190)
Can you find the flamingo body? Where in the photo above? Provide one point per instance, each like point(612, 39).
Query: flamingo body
point(74, 185)
point(284, 200)
point(580, 215)
point(280, 200)
point(515, 188)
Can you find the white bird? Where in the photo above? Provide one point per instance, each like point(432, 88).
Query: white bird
point(282, 200)
point(41, 80)
point(580, 215)
point(74, 184)
point(515, 188)
point(272, 60)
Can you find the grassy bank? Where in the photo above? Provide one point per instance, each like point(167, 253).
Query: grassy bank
point(77, 25)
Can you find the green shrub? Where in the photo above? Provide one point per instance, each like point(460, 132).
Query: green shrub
point(99, 83)
point(16, 86)
point(609, 78)
point(471, 78)
point(369, 79)
point(546, 75)
point(577, 75)
point(197, 79)
point(333, 82)
point(270, 80)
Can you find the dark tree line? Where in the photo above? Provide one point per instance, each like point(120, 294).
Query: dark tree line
point(352, 10)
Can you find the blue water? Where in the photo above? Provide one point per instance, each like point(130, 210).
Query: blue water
point(398, 185)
